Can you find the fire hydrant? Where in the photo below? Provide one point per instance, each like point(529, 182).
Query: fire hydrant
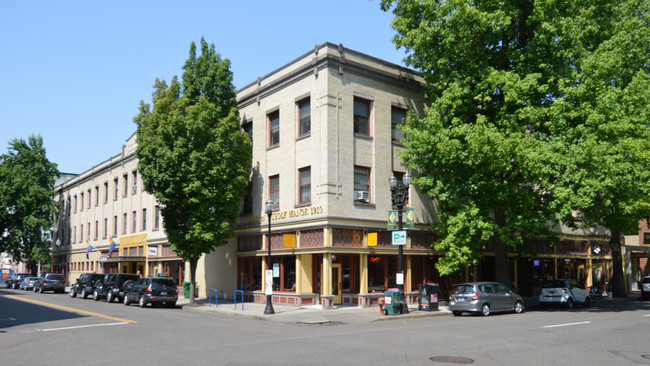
point(381, 306)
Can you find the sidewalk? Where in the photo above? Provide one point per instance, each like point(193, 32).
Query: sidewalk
point(340, 314)
point(305, 315)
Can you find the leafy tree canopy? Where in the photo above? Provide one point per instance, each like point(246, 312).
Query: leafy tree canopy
point(521, 95)
point(193, 156)
point(26, 198)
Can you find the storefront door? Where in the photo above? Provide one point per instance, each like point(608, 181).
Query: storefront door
point(337, 283)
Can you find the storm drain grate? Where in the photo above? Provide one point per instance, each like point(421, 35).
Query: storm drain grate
point(451, 359)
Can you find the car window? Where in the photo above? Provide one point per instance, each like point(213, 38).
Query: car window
point(646, 280)
point(553, 284)
point(487, 288)
point(501, 289)
point(164, 282)
point(463, 290)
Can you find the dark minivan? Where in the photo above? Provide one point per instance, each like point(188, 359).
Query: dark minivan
point(151, 290)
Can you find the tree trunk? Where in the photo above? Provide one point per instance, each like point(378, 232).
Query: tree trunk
point(501, 267)
point(193, 262)
point(618, 281)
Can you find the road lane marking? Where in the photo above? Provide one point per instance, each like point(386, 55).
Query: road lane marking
point(83, 326)
point(565, 325)
point(70, 309)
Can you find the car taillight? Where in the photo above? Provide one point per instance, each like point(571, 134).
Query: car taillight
point(475, 296)
point(564, 291)
point(117, 286)
point(44, 282)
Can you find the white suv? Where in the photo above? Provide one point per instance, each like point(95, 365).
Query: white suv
point(564, 292)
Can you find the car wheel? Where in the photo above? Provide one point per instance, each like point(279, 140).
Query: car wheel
point(83, 293)
point(570, 304)
point(96, 295)
point(485, 310)
point(109, 296)
point(456, 313)
point(73, 293)
point(41, 289)
point(126, 300)
point(587, 302)
point(142, 302)
point(35, 289)
point(519, 307)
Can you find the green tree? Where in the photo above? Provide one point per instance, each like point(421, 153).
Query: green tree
point(27, 201)
point(501, 141)
point(609, 106)
point(193, 156)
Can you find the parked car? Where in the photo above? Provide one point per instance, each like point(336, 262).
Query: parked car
point(28, 283)
point(565, 292)
point(15, 279)
point(112, 286)
point(50, 282)
point(484, 298)
point(85, 284)
point(151, 290)
point(645, 287)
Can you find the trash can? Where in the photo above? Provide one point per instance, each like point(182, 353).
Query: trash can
point(186, 289)
point(392, 302)
point(428, 297)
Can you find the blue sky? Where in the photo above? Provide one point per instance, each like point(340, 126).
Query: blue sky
point(75, 72)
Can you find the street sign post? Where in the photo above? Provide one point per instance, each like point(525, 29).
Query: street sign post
point(399, 237)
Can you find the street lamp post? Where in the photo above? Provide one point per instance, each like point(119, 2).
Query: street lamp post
point(399, 192)
point(269, 296)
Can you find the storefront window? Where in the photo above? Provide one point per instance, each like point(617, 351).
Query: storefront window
point(376, 273)
point(289, 275)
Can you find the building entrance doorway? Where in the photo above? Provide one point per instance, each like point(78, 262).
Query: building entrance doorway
point(337, 283)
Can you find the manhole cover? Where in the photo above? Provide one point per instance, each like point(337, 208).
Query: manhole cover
point(451, 359)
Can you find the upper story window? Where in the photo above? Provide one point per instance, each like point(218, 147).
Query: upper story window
point(304, 117)
point(304, 184)
point(156, 218)
point(81, 199)
point(274, 191)
point(362, 180)
point(144, 219)
point(247, 126)
point(248, 199)
point(105, 192)
point(117, 189)
point(134, 188)
point(96, 196)
point(125, 178)
point(397, 116)
point(361, 116)
point(274, 128)
point(134, 221)
point(89, 198)
point(75, 204)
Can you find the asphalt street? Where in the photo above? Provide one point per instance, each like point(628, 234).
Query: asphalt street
point(55, 329)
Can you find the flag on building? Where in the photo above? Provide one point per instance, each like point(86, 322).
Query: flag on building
point(89, 247)
point(111, 246)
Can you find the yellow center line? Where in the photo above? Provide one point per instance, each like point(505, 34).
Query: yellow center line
point(70, 309)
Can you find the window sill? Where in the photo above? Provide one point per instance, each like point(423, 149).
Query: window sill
point(303, 204)
point(364, 204)
point(362, 136)
point(307, 135)
point(272, 147)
